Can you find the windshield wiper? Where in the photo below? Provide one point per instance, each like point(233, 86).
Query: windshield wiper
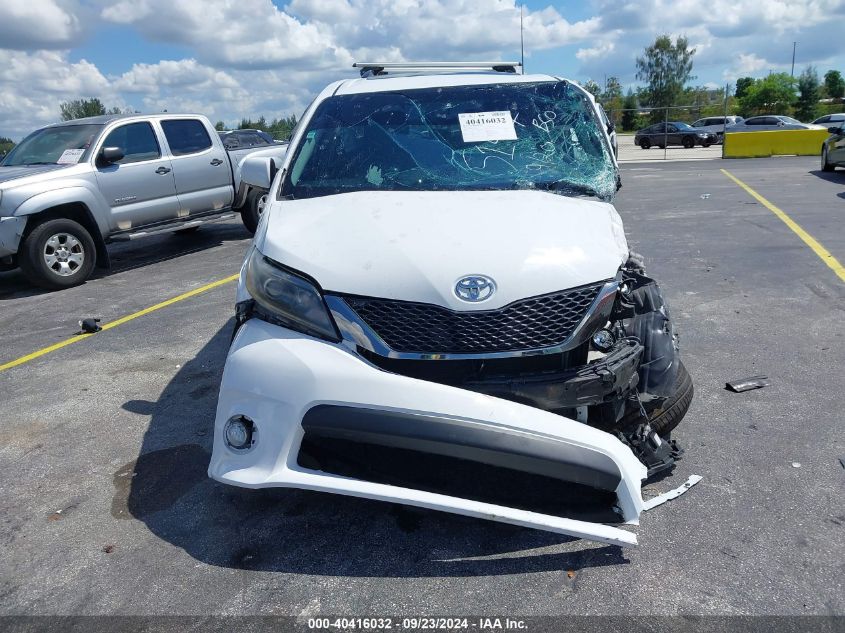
point(568, 186)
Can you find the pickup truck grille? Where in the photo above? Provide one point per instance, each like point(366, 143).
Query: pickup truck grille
point(533, 323)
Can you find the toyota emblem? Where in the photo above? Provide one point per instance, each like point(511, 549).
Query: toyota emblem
point(475, 288)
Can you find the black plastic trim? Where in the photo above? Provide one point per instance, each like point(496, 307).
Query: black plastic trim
point(472, 441)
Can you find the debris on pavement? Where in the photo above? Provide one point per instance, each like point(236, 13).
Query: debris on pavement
point(89, 326)
point(747, 384)
point(796, 464)
point(672, 494)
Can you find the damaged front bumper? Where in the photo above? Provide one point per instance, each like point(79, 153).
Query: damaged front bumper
point(292, 386)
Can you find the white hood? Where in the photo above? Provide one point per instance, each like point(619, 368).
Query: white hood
point(415, 246)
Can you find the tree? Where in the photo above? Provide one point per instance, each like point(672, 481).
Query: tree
point(593, 88)
point(219, 126)
point(771, 95)
point(809, 89)
point(612, 90)
point(629, 113)
point(742, 85)
point(666, 68)
point(6, 145)
point(81, 108)
point(834, 85)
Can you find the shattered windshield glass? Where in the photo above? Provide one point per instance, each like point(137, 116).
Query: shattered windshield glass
point(542, 135)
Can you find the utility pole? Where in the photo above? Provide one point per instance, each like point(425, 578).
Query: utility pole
point(521, 42)
point(792, 74)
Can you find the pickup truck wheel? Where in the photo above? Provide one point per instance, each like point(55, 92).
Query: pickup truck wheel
point(254, 207)
point(58, 254)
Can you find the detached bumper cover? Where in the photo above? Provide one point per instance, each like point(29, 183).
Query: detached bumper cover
point(288, 383)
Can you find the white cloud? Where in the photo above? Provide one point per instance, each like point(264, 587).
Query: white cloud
point(32, 85)
point(232, 33)
point(28, 24)
point(597, 52)
point(745, 65)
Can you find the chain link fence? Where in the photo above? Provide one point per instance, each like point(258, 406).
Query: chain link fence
point(675, 132)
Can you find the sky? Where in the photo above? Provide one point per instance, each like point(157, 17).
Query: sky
point(230, 59)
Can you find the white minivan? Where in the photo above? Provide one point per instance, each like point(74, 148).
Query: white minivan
point(716, 124)
point(440, 308)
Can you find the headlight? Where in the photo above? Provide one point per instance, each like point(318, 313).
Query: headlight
point(287, 298)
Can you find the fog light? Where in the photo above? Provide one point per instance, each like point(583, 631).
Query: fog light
point(603, 340)
point(239, 433)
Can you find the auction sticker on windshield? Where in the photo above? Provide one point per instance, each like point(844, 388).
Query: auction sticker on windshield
point(487, 126)
point(70, 156)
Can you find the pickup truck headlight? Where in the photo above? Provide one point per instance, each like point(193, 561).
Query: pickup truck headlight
point(285, 298)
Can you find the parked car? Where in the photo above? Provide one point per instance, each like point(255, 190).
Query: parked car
point(440, 277)
point(68, 189)
point(833, 149)
point(242, 139)
point(716, 124)
point(831, 120)
point(673, 133)
point(771, 122)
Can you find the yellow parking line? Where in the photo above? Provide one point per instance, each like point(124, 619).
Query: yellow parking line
point(808, 239)
point(116, 322)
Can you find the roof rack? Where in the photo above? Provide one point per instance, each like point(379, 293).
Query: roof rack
point(373, 69)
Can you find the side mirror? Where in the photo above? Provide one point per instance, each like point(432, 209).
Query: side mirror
point(258, 171)
point(110, 155)
point(610, 127)
point(836, 129)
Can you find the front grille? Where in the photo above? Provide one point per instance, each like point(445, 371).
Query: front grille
point(533, 323)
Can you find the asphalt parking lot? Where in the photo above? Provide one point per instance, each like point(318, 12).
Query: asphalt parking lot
point(106, 508)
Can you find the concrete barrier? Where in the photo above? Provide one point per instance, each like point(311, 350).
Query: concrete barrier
point(774, 143)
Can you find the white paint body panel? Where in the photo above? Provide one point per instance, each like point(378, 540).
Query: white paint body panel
point(274, 376)
point(415, 246)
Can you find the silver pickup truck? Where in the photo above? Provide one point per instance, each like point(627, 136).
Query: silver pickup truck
point(69, 189)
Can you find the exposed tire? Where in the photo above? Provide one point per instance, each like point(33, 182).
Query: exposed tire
point(665, 418)
point(826, 166)
point(254, 207)
point(58, 254)
point(645, 143)
point(688, 142)
point(673, 410)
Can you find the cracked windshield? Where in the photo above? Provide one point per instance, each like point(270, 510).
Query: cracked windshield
point(507, 136)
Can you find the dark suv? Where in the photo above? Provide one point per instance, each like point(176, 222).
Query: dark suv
point(673, 133)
